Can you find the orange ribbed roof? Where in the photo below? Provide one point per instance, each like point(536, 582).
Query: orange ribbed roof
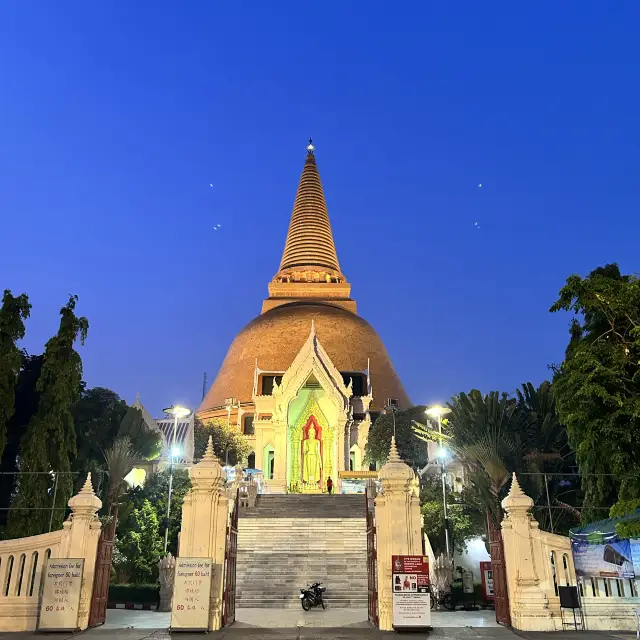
point(310, 240)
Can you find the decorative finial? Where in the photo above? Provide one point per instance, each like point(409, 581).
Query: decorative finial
point(516, 489)
point(87, 487)
point(394, 456)
point(310, 147)
point(209, 454)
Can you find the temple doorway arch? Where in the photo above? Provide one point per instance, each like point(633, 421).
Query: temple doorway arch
point(355, 458)
point(251, 460)
point(269, 466)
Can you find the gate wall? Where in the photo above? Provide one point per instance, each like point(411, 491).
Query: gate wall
point(22, 562)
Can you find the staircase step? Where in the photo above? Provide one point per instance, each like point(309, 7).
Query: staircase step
point(289, 541)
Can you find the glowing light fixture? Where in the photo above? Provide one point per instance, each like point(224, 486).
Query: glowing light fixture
point(178, 412)
point(436, 411)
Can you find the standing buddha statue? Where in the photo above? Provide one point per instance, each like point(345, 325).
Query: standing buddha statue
point(312, 464)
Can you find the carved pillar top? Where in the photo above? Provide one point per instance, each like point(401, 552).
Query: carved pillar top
point(395, 474)
point(517, 504)
point(85, 504)
point(208, 471)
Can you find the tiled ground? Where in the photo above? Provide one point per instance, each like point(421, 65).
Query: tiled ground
point(317, 618)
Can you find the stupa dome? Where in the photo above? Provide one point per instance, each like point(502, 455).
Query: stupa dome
point(274, 338)
point(309, 287)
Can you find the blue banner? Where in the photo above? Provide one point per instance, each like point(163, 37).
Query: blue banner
point(603, 559)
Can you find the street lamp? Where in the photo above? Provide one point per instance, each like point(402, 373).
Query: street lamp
point(433, 412)
point(177, 411)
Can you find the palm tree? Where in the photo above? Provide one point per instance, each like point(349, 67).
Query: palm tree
point(547, 455)
point(483, 436)
point(120, 458)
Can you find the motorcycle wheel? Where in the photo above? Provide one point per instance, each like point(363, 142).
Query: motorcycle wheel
point(433, 602)
point(447, 601)
point(306, 603)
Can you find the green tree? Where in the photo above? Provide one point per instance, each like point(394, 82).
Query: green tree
point(466, 521)
point(598, 384)
point(229, 444)
point(120, 458)
point(97, 416)
point(50, 440)
point(411, 449)
point(495, 435)
point(139, 548)
point(481, 429)
point(13, 312)
point(26, 404)
point(145, 441)
point(156, 491)
point(630, 511)
point(101, 418)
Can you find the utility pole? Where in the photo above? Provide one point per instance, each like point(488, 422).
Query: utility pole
point(204, 385)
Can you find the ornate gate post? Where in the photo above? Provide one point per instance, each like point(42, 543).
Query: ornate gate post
point(529, 606)
point(398, 526)
point(80, 540)
point(205, 513)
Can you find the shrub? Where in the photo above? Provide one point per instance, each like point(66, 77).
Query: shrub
point(137, 593)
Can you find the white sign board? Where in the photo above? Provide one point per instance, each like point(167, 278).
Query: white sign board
point(61, 594)
point(411, 597)
point(192, 594)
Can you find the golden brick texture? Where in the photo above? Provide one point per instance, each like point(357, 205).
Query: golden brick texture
point(276, 337)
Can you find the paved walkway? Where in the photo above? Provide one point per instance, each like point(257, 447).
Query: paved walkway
point(477, 625)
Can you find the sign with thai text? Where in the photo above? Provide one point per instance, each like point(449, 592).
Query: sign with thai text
point(411, 594)
point(192, 594)
point(486, 573)
point(61, 594)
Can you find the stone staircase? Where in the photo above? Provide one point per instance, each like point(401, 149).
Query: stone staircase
point(289, 541)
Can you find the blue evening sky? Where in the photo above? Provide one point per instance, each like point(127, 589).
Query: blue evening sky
point(117, 115)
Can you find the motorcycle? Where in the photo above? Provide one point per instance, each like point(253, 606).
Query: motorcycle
point(312, 596)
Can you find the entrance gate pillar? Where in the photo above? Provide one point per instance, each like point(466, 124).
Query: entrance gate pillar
point(205, 514)
point(524, 560)
point(398, 526)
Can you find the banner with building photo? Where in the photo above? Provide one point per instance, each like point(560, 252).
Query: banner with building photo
point(603, 558)
point(635, 555)
point(599, 552)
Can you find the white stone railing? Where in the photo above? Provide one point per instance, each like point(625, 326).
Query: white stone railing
point(22, 562)
point(539, 562)
point(21, 570)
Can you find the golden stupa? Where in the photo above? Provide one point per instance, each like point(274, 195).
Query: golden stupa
point(308, 361)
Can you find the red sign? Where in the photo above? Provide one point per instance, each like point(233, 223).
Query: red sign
point(487, 581)
point(412, 564)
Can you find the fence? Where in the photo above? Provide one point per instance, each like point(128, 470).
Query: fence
point(9, 483)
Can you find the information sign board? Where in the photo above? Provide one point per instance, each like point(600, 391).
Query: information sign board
point(467, 581)
point(192, 594)
point(61, 594)
point(487, 581)
point(411, 593)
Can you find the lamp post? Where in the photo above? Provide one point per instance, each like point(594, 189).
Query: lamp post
point(438, 411)
point(177, 411)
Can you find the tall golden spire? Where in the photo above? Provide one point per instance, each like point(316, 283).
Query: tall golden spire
point(310, 240)
point(309, 269)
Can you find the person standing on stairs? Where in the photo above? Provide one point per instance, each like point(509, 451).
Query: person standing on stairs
point(329, 485)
